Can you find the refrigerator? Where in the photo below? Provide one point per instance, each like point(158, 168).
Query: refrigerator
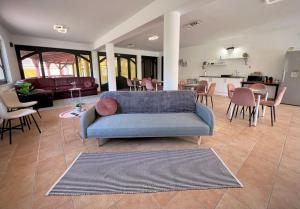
point(291, 78)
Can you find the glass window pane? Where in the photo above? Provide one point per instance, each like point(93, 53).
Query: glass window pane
point(32, 66)
point(84, 68)
point(103, 72)
point(124, 67)
point(58, 64)
point(116, 66)
point(132, 70)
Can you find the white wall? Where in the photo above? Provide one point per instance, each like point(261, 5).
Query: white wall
point(9, 57)
point(266, 54)
point(44, 42)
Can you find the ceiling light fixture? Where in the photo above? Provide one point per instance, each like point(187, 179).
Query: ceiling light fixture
point(60, 28)
point(192, 25)
point(272, 1)
point(230, 49)
point(153, 38)
point(131, 45)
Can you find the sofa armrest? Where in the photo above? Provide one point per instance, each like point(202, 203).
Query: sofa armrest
point(86, 119)
point(206, 115)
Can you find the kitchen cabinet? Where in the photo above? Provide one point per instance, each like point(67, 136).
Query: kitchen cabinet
point(221, 83)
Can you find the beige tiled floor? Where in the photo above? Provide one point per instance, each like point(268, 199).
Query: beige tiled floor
point(266, 159)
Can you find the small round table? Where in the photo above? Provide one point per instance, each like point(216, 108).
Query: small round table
point(71, 114)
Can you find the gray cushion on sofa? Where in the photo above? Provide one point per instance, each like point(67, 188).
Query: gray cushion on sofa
point(153, 102)
point(148, 125)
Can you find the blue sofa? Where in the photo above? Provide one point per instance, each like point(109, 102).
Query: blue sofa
point(149, 114)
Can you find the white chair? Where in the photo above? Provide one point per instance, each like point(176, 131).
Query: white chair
point(12, 102)
point(17, 114)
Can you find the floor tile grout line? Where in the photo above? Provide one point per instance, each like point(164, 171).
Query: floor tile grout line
point(236, 175)
point(63, 148)
point(277, 170)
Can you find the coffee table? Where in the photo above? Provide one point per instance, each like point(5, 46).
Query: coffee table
point(71, 114)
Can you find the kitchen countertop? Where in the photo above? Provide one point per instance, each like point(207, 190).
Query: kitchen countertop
point(212, 76)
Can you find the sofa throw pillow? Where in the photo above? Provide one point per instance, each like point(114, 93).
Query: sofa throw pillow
point(87, 84)
point(106, 106)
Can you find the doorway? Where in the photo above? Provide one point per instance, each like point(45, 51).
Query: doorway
point(149, 67)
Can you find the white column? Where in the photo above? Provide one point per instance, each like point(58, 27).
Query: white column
point(139, 66)
point(110, 59)
point(95, 65)
point(171, 50)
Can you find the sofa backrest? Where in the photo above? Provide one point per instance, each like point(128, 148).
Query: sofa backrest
point(42, 83)
point(153, 102)
point(80, 81)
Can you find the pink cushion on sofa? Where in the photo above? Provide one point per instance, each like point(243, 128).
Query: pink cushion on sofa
point(87, 83)
point(106, 106)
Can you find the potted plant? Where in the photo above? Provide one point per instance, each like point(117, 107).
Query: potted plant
point(78, 106)
point(246, 57)
point(24, 88)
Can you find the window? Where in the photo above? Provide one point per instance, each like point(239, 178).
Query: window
point(2, 70)
point(125, 66)
point(59, 64)
point(53, 62)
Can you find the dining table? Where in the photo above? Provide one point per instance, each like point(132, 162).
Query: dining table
point(259, 93)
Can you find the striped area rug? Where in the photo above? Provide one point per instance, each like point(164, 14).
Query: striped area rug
point(141, 172)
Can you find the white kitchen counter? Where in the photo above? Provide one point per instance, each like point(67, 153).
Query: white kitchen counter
point(221, 83)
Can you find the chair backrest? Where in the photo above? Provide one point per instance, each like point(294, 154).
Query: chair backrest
point(154, 80)
point(182, 84)
point(211, 89)
point(243, 97)
point(129, 82)
point(280, 96)
point(10, 98)
point(258, 86)
point(203, 82)
point(201, 88)
point(149, 85)
point(230, 90)
point(3, 110)
point(143, 83)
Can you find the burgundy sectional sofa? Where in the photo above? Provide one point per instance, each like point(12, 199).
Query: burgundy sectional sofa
point(59, 87)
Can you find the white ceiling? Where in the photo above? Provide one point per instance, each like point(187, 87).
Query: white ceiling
point(221, 20)
point(86, 19)
point(90, 19)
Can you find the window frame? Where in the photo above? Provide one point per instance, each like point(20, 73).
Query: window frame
point(2, 66)
point(129, 58)
point(40, 50)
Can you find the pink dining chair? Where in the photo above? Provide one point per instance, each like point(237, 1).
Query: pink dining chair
point(230, 91)
point(182, 84)
point(149, 85)
point(243, 97)
point(129, 83)
point(273, 104)
point(259, 86)
point(143, 83)
point(210, 92)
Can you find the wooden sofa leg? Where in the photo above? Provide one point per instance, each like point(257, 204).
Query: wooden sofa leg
point(102, 141)
point(199, 140)
point(194, 140)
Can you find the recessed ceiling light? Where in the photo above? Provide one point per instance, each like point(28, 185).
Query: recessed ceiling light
point(272, 1)
point(131, 45)
point(60, 28)
point(152, 38)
